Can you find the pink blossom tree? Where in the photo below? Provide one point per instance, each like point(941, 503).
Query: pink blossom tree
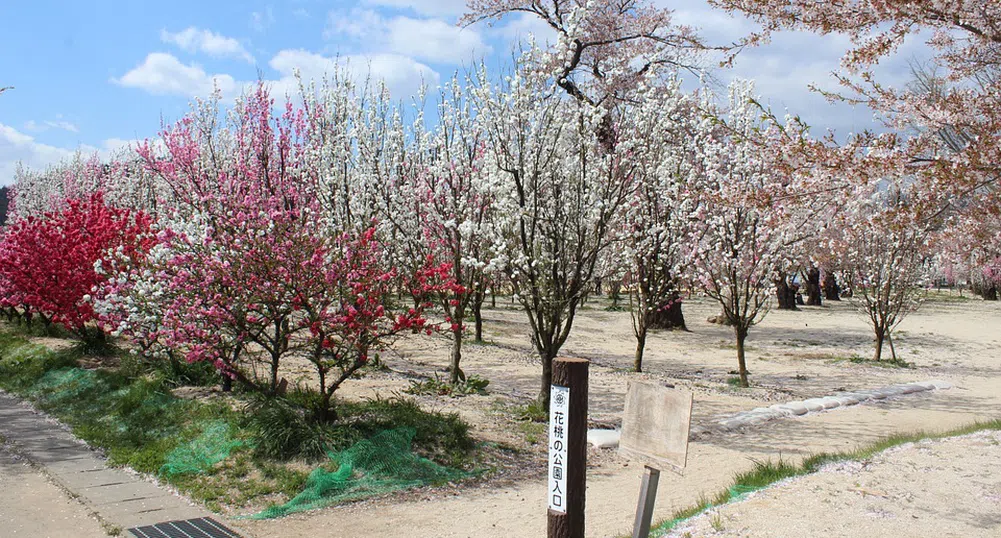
point(944, 136)
point(743, 219)
point(251, 270)
point(884, 254)
point(603, 49)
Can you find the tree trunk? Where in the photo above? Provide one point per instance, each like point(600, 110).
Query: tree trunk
point(813, 287)
point(326, 414)
point(832, 292)
point(478, 316)
point(640, 347)
point(785, 293)
point(670, 316)
point(455, 373)
point(547, 379)
point(880, 336)
point(741, 362)
point(615, 293)
point(274, 376)
point(991, 293)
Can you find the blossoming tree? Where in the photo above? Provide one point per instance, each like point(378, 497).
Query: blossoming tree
point(558, 190)
point(49, 260)
point(743, 219)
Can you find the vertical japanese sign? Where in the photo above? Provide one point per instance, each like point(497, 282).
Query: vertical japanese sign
point(559, 404)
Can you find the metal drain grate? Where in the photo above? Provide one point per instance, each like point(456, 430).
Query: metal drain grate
point(203, 527)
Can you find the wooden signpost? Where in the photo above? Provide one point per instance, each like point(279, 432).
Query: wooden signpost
point(655, 430)
point(567, 448)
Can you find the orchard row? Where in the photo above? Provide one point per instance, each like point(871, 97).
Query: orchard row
point(323, 224)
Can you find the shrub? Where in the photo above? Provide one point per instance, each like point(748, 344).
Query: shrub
point(282, 430)
point(436, 387)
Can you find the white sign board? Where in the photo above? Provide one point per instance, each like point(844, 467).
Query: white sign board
point(655, 425)
point(559, 404)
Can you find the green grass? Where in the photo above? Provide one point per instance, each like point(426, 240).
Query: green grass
point(884, 363)
point(867, 361)
point(769, 472)
point(131, 413)
point(136, 420)
point(534, 432)
point(436, 386)
point(533, 412)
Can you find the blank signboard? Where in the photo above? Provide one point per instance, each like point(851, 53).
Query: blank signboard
point(655, 425)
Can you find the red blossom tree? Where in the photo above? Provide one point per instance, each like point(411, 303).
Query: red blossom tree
point(49, 260)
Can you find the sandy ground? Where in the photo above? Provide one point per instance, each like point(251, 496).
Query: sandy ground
point(792, 355)
point(31, 506)
point(930, 488)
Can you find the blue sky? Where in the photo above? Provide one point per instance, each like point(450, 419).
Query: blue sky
point(96, 75)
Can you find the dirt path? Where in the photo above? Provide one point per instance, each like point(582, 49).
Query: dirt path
point(793, 355)
point(949, 487)
point(32, 506)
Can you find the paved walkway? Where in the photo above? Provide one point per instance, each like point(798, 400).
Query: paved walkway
point(118, 498)
point(34, 507)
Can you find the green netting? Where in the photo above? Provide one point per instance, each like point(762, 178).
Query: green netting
point(379, 465)
point(200, 454)
point(64, 384)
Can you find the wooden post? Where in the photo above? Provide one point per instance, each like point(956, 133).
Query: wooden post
point(644, 509)
point(566, 513)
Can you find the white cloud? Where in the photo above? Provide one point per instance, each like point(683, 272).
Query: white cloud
point(402, 75)
point(16, 147)
point(163, 74)
point(520, 25)
point(113, 145)
point(432, 40)
point(356, 24)
point(194, 40)
point(42, 126)
point(435, 8)
point(261, 20)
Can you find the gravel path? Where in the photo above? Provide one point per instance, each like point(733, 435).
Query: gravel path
point(949, 487)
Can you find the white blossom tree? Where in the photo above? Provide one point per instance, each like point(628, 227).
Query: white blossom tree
point(558, 191)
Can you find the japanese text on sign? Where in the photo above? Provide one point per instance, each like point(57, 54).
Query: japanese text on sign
point(559, 404)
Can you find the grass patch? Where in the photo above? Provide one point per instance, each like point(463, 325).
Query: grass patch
point(272, 445)
point(533, 412)
point(473, 384)
point(769, 472)
point(947, 297)
point(884, 363)
point(534, 432)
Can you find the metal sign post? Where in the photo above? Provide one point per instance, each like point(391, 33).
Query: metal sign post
point(567, 448)
point(648, 496)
